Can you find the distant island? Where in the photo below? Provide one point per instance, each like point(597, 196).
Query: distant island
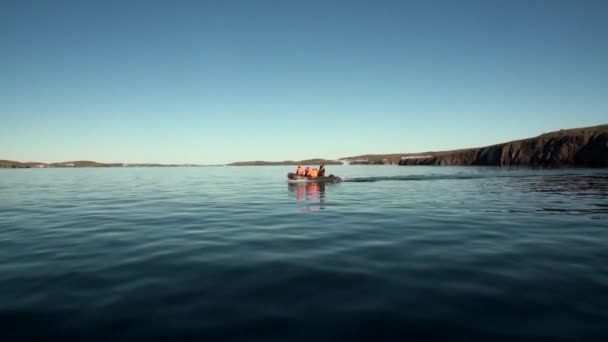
point(83, 163)
point(289, 162)
point(587, 146)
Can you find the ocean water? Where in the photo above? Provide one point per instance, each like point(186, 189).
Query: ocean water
point(239, 254)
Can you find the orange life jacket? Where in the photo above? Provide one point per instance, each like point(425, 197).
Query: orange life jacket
point(313, 173)
point(308, 170)
point(300, 171)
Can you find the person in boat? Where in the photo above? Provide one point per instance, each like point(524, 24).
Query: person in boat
point(321, 172)
point(307, 171)
point(314, 173)
point(300, 171)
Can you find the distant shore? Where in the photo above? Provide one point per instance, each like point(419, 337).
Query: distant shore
point(10, 164)
point(586, 146)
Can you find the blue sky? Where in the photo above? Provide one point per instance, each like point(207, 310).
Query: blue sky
point(221, 81)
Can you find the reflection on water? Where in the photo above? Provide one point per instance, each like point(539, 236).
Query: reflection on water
point(562, 193)
point(308, 192)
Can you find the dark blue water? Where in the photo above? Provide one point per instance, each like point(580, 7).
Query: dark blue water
point(239, 254)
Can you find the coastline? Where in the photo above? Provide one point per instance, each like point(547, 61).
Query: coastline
point(585, 146)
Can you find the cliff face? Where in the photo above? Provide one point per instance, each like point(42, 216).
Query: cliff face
point(583, 146)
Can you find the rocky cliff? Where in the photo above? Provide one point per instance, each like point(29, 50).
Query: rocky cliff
point(572, 147)
point(583, 146)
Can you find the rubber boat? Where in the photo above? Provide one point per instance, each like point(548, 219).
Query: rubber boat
point(297, 178)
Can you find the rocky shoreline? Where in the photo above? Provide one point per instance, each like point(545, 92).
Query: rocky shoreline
point(573, 147)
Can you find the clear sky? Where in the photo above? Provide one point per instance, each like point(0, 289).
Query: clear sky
point(222, 81)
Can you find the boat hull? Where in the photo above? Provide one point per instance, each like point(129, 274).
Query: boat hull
point(296, 178)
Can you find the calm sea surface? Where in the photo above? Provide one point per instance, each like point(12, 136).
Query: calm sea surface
point(238, 253)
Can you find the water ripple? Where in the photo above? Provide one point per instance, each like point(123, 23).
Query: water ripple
point(240, 254)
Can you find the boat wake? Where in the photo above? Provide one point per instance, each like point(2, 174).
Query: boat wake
point(437, 177)
point(408, 178)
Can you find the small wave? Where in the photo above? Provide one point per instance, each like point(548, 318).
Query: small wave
point(414, 178)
